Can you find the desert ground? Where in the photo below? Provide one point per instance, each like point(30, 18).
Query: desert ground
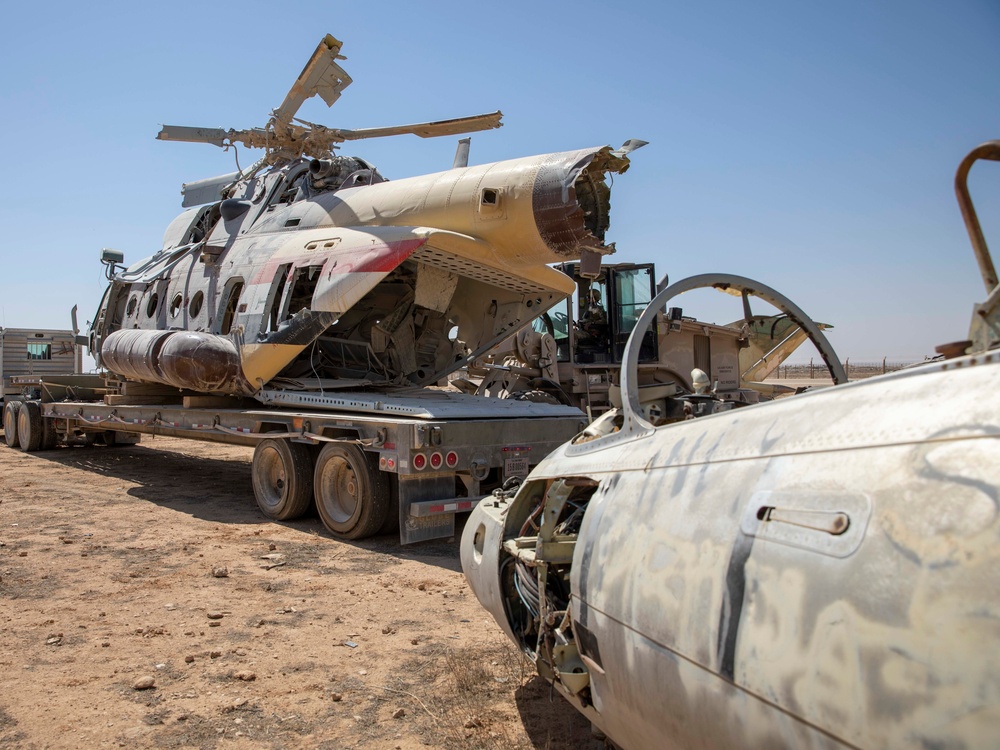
point(145, 602)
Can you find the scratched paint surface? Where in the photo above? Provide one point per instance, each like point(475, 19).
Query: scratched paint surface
point(715, 628)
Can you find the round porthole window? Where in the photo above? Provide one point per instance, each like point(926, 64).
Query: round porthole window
point(175, 305)
point(132, 303)
point(151, 305)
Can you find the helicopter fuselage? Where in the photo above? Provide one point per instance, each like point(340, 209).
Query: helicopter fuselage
point(378, 282)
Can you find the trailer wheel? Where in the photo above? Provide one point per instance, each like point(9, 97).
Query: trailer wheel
point(10, 410)
point(50, 438)
point(282, 478)
point(352, 495)
point(29, 427)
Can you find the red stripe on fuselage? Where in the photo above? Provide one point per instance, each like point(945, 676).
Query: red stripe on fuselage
point(380, 257)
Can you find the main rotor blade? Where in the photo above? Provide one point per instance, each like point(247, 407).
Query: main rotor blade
point(455, 126)
point(632, 144)
point(215, 136)
point(321, 75)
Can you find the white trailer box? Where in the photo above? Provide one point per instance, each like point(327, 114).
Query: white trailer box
point(35, 351)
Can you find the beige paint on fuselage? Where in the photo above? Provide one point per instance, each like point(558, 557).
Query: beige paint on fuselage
point(504, 236)
point(261, 362)
point(444, 207)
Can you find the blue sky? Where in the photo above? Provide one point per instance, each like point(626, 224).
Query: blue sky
point(811, 146)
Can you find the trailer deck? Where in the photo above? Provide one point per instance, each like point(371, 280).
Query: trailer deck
point(369, 461)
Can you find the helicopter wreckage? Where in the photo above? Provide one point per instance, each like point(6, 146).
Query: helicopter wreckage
point(311, 271)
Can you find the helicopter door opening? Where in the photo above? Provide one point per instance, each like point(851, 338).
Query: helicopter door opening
point(234, 288)
point(110, 316)
point(303, 287)
point(277, 304)
point(117, 298)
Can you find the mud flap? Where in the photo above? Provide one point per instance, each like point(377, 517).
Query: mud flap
point(419, 529)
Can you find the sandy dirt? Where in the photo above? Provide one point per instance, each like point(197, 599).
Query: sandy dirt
point(121, 567)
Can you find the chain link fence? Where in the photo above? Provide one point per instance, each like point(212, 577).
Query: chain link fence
point(856, 369)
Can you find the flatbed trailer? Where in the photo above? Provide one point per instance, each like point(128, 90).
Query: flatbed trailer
point(369, 461)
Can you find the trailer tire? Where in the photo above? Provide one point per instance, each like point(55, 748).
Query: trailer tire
point(29, 427)
point(50, 438)
point(282, 478)
point(10, 410)
point(352, 495)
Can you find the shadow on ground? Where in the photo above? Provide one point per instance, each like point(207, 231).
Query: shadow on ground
point(551, 721)
point(220, 490)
